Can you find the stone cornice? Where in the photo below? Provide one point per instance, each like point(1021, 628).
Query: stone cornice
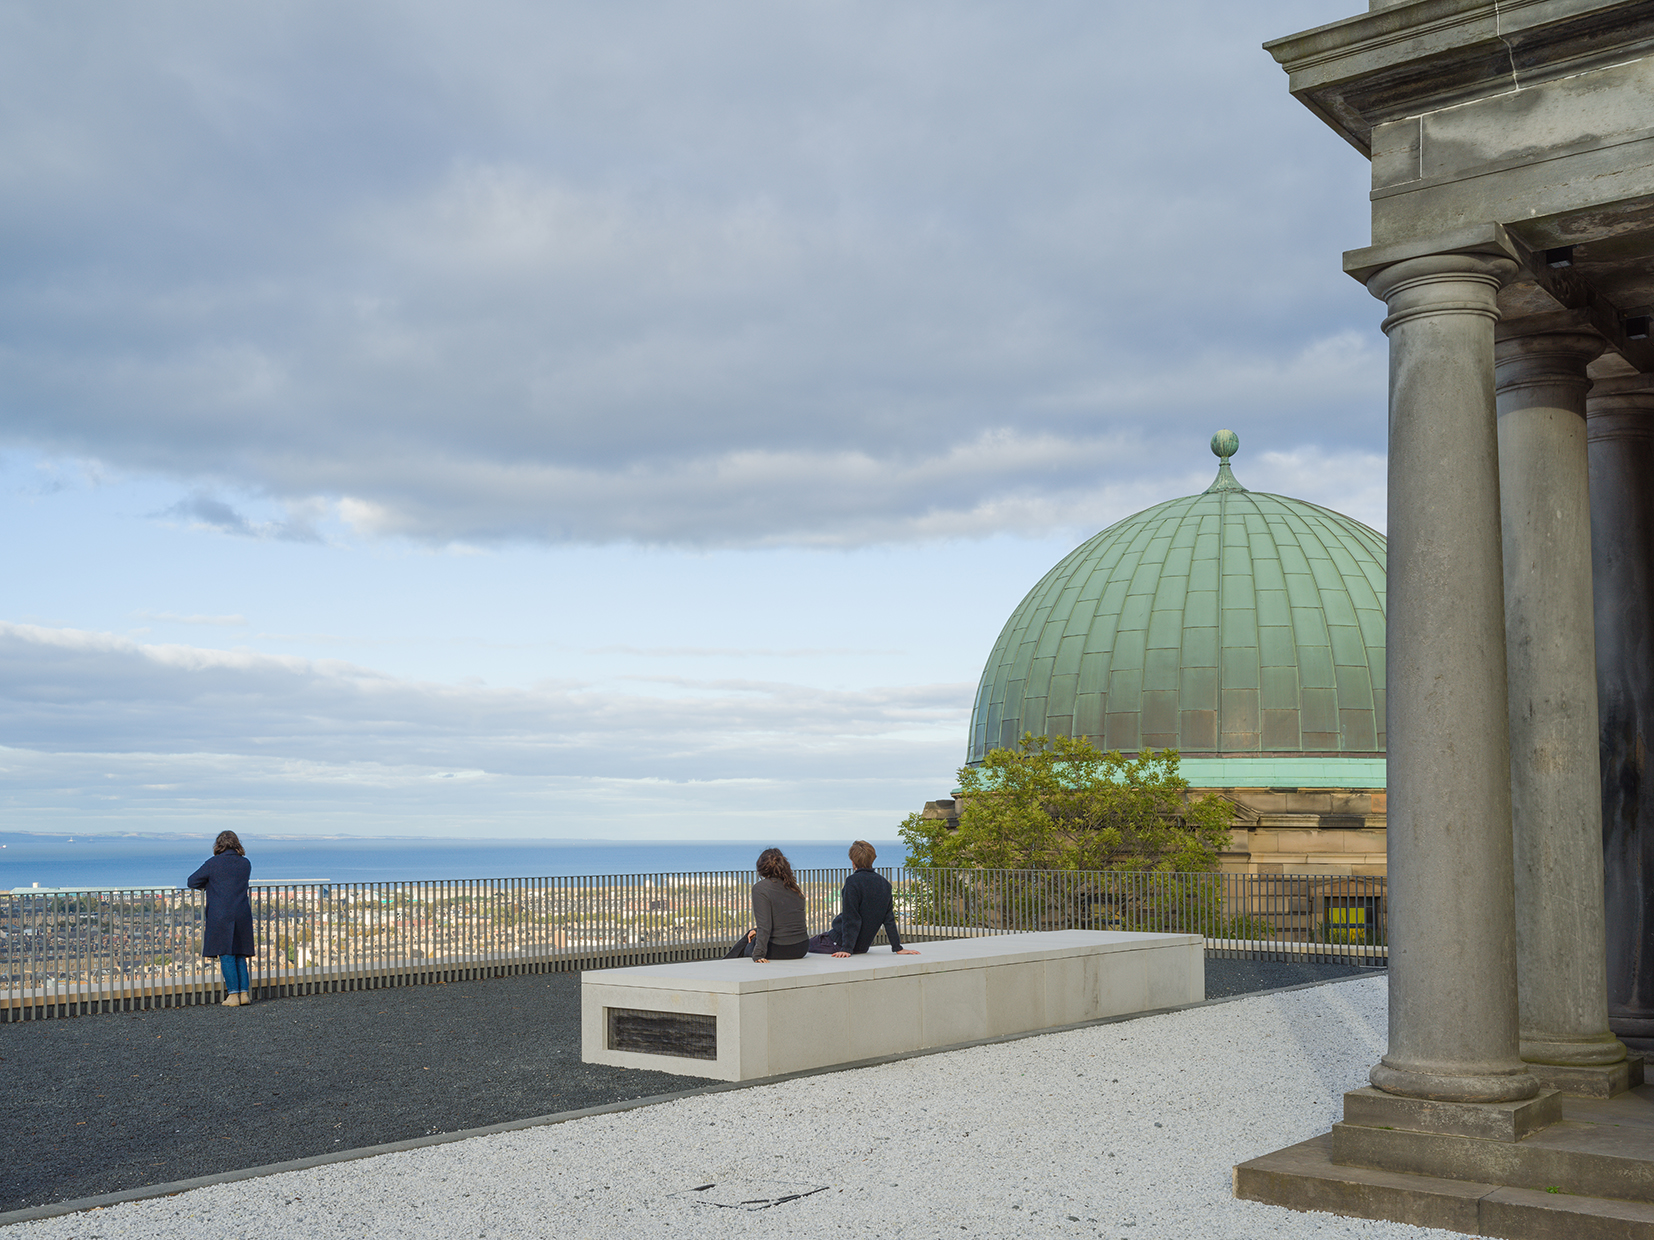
point(1417, 57)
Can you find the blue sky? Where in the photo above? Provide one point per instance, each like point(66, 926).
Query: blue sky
point(618, 421)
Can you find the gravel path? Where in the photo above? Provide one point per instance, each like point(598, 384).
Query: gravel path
point(1125, 1131)
point(107, 1103)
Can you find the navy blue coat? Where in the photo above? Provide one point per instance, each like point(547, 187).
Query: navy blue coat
point(229, 930)
point(868, 906)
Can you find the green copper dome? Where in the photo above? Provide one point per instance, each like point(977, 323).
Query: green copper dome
point(1230, 624)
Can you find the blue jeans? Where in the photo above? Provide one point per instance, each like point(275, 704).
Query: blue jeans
point(234, 969)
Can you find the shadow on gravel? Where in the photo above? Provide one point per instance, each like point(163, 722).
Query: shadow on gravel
point(1239, 977)
point(99, 1104)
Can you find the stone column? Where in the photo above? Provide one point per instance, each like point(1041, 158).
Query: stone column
point(1453, 1010)
point(1620, 425)
point(1555, 790)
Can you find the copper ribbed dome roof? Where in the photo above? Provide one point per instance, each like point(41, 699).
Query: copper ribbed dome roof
point(1225, 624)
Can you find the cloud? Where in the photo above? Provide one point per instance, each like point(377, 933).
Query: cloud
point(96, 724)
point(689, 274)
point(173, 617)
point(1352, 483)
point(203, 511)
point(733, 652)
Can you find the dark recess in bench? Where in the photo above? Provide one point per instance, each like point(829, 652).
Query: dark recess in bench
point(684, 1034)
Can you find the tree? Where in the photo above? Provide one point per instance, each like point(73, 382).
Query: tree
point(1063, 804)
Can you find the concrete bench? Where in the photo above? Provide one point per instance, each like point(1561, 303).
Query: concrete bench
point(733, 1020)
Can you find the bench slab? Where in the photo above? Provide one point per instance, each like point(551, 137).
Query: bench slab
point(733, 1020)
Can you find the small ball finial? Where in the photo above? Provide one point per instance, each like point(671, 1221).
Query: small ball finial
point(1225, 444)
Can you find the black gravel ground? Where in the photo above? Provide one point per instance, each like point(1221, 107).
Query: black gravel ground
point(184, 1092)
point(1242, 977)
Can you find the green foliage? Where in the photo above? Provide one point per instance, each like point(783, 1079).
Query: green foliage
point(1063, 804)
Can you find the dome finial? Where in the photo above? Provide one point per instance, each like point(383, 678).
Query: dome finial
point(1224, 445)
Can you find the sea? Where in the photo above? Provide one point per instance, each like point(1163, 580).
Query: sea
point(58, 862)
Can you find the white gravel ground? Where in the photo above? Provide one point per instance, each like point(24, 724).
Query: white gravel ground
point(1126, 1131)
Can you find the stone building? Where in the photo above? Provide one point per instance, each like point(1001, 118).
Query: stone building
point(1244, 630)
point(1511, 145)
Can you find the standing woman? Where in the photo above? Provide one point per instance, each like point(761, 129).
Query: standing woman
point(229, 929)
point(777, 911)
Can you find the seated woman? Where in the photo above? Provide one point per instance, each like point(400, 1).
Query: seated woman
point(777, 912)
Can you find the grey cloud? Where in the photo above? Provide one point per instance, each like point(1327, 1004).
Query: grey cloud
point(208, 511)
point(205, 792)
point(110, 735)
point(214, 513)
point(66, 691)
point(699, 274)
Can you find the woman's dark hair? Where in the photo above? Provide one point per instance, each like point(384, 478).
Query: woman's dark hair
point(772, 864)
point(228, 842)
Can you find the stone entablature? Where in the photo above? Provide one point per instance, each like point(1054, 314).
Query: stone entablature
point(1304, 830)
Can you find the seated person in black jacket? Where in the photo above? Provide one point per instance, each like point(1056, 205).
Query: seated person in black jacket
point(868, 906)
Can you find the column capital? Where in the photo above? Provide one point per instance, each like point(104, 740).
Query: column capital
point(1541, 361)
point(1620, 408)
point(1624, 391)
point(1557, 323)
point(1441, 284)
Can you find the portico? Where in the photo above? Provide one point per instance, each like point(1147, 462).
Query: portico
point(1512, 151)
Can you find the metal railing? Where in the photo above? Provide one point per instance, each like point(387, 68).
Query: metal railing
point(1314, 918)
point(65, 953)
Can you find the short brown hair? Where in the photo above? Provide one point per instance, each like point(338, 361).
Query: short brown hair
point(227, 841)
point(863, 855)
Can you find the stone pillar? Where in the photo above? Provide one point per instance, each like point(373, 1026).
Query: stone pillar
point(1621, 443)
point(1555, 790)
point(1453, 1009)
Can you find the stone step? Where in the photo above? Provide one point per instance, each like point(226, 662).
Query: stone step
point(1593, 1160)
point(1304, 1177)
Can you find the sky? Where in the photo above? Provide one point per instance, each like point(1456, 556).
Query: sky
point(618, 421)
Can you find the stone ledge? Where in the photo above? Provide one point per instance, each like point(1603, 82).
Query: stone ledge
point(1488, 1121)
point(764, 1020)
point(1608, 1081)
point(1589, 1159)
point(1304, 1177)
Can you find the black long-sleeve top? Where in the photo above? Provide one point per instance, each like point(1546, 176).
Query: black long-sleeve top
point(868, 906)
point(779, 916)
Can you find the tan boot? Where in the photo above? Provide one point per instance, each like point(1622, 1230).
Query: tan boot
point(246, 997)
point(232, 1000)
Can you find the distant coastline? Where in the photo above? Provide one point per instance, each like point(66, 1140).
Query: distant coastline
point(164, 859)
